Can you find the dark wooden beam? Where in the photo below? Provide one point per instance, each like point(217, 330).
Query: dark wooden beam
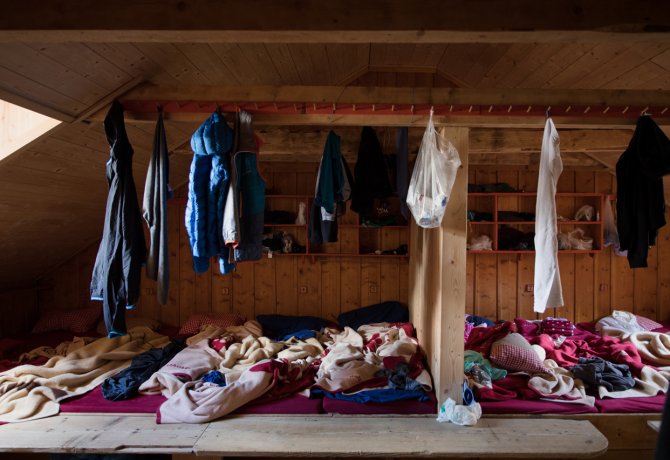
point(337, 21)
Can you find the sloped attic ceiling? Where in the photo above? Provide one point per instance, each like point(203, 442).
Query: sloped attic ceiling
point(52, 192)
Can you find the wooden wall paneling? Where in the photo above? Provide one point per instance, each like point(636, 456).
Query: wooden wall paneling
point(286, 282)
point(602, 267)
point(350, 283)
point(507, 263)
point(331, 290)
point(309, 286)
point(186, 273)
point(403, 281)
point(19, 309)
point(663, 288)
point(389, 273)
point(222, 292)
point(169, 313)
point(485, 264)
point(645, 293)
point(203, 289)
point(470, 284)
point(623, 285)
point(526, 262)
point(566, 262)
point(265, 292)
point(584, 263)
point(243, 289)
point(86, 260)
point(370, 281)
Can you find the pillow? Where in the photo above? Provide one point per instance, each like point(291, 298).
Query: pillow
point(385, 312)
point(195, 322)
point(77, 321)
point(513, 352)
point(647, 324)
point(278, 327)
point(131, 322)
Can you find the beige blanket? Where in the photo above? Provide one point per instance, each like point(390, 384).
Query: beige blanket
point(29, 392)
point(654, 347)
point(559, 385)
point(650, 383)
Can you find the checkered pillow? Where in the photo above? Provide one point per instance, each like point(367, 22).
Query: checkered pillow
point(78, 321)
point(514, 353)
point(195, 322)
point(647, 324)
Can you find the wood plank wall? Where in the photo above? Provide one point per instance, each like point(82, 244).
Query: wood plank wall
point(496, 284)
point(320, 286)
point(593, 285)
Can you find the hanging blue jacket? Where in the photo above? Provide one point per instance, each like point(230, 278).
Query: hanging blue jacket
point(207, 189)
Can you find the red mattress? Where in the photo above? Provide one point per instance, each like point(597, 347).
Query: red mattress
point(336, 406)
point(93, 401)
point(652, 404)
point(521, 406)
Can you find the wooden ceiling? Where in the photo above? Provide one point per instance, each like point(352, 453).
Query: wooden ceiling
point(70, 66)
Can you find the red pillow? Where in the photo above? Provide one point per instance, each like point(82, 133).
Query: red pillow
point(77, 321)
point(195, 322)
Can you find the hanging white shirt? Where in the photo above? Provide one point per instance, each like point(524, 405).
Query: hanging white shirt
point(547, 283)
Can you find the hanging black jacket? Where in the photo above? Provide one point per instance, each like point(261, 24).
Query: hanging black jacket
point(640, 198)
point(116, 274)
point(371, 178)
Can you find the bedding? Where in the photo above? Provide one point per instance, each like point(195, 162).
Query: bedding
point(622, 366)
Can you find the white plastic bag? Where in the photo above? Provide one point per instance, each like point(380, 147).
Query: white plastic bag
point(433, 178)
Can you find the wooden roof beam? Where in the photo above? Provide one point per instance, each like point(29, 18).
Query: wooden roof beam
point(337, 21)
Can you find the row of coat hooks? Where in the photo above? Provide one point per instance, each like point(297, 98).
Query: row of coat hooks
point(321, 108)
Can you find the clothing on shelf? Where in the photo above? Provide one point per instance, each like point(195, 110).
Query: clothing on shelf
point(122, 252)
point(154, 209)
point(547, 278)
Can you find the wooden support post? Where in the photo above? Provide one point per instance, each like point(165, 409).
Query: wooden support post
point(437, 283)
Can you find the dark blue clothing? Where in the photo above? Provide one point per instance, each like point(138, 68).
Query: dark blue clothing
point(207, 190)
point(122, 251)
point(250, 189)
point(154, 209)
point(214, 377)
point(277, 327)
point(383, 395)
point(125, 384)
point(390, 311)
point(640, 199)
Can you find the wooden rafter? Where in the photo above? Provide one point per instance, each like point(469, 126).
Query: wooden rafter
point(343, 21)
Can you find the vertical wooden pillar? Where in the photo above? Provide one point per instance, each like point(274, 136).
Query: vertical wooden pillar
point(437, 283)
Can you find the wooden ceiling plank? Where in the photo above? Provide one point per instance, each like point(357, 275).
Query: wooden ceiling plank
point(207, 62)
point(127, 56)
point(556, 63)
point(585, 65)
point(173, 61)
point(537, 57)
point(645, 75)
point(235, 61)
point(283, 62)
point(260, 63)
point(33, 64)
point(84, 61)
point(662, 60)
point(506, 65)
point(625, 61)
point(429, 55)
point(348, 21)
point(303, 64)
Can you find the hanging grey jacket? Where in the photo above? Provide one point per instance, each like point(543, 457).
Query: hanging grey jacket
point(117, 270)
point(154, 210)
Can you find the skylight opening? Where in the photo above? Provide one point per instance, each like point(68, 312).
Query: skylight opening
point(19, 126)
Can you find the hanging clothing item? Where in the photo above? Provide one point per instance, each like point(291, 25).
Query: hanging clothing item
point(208, 184)
point(547, 281)
point(332, 190)
point(402, 168)
point(371, 179)
point(154, 209)
point(640, 200)
point(122, 251)
point(242, 229)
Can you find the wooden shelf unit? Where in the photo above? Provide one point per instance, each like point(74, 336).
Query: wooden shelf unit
point(567, 204)
point(354, 239)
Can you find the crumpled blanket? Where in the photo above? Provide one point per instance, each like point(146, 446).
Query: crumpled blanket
point(559, 385)
point(62, 349)
point(599, 372)
point(618, 323)
point(654, 347)
point(29, 392)
point(200, 402)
